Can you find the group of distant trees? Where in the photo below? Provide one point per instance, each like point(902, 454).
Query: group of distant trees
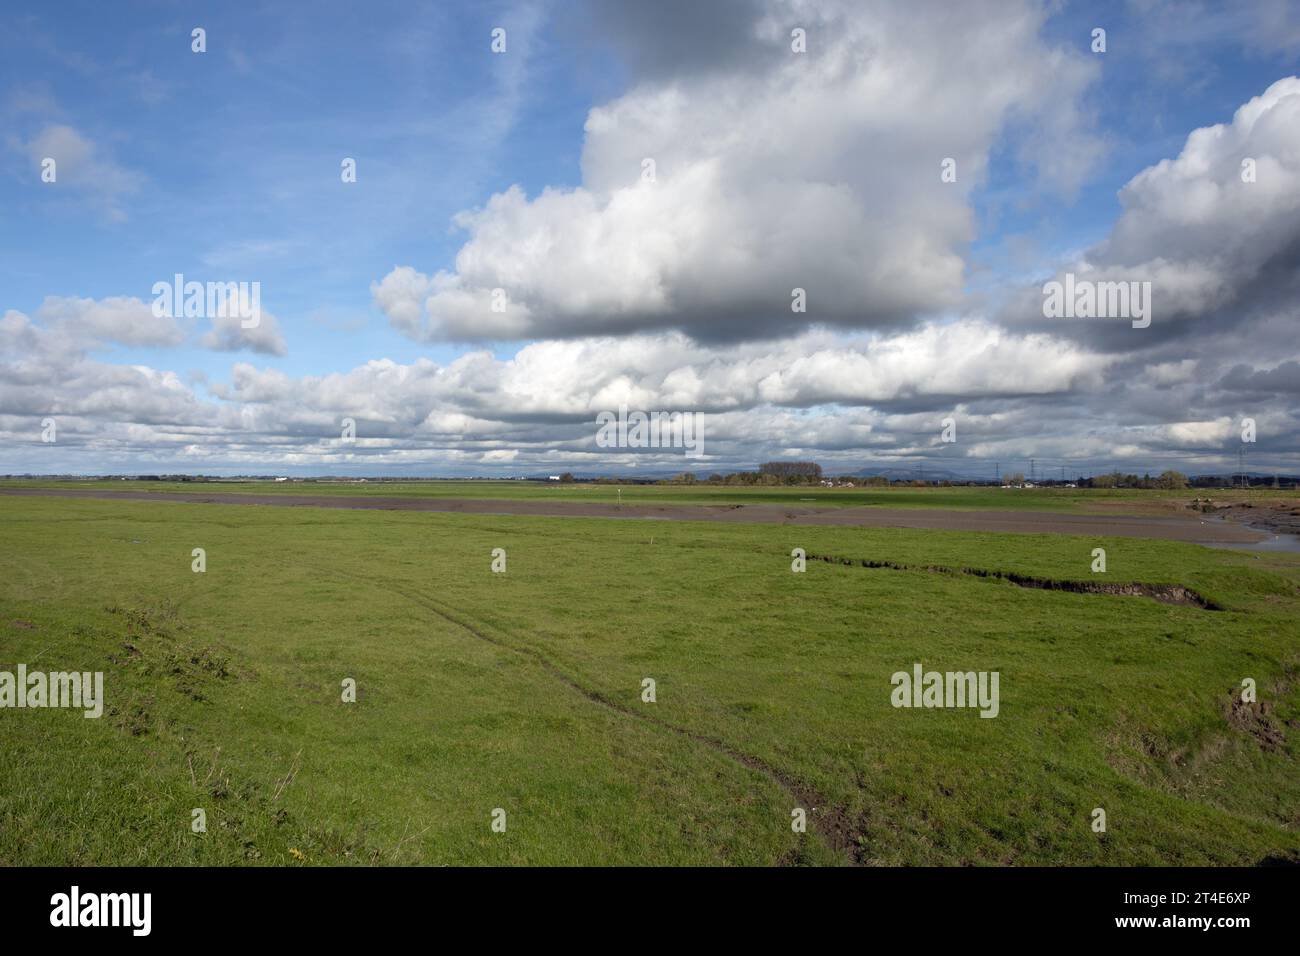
point(1166, 480)
point(736, 478)
point(770, 473)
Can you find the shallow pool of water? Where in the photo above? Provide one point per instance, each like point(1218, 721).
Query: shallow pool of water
point(1274, 542)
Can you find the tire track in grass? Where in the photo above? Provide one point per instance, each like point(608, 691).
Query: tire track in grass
point(832, 824)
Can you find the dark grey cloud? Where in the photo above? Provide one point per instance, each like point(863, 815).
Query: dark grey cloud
point(678, 39)
point(821, 174)
point(1283, 379)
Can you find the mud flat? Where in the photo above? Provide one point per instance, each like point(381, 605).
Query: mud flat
point(1277, 521)
point(1276, 517)
point(1192, 527)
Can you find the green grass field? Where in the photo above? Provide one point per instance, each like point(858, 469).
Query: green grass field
point(522, 691)
point(983, 498)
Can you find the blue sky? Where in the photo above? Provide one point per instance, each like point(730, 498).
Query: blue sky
point(225, 166)
point(236, 152)
point(1152, 89)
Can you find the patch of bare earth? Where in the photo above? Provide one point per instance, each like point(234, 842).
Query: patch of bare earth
point(1258, 720)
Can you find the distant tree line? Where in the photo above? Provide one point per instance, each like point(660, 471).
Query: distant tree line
point(769, 474)
point(810, 473)
point(1167, 480)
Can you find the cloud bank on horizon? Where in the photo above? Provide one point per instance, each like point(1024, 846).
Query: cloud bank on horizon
point(826, 226)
